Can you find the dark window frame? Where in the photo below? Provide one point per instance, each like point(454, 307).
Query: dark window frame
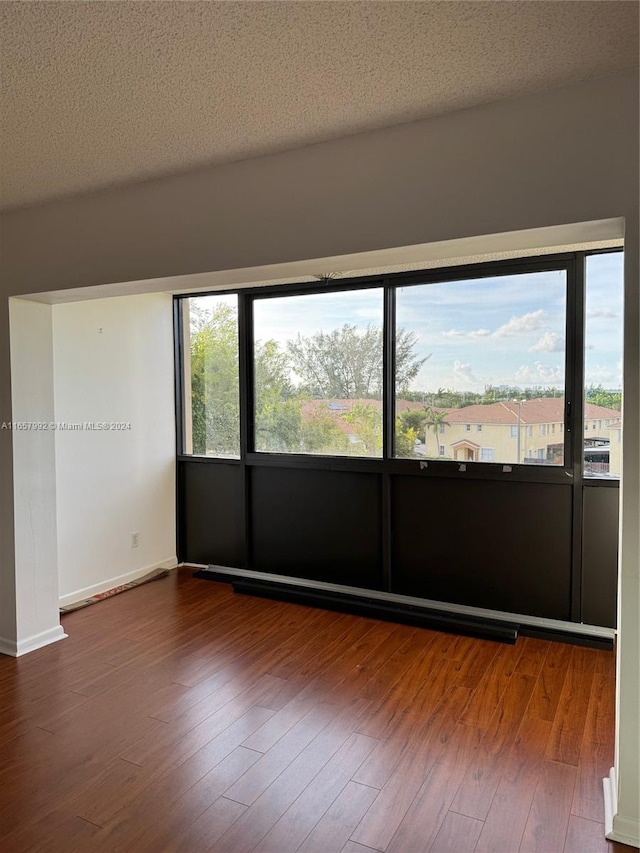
point(388, 468)
point(387, 437)
point(573, 263)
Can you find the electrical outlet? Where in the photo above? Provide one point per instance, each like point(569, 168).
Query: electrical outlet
point(135, 539)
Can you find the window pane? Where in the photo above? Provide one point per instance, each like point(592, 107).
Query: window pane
point(603, 365)
point(480, 369)
point(318, 373)
point(212, 416)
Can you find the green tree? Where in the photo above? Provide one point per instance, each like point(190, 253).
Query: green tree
point(410, 425)
point(349, 366)
point(321, 434)
point(281, 422)
point(214, 383)
point(492, 394)
point(449, 398)
point(367, 422)
point(215, 407)
point(405, 439)
point(414, 419)
point(434, 421)
point(278, 414)
point(599, 396)
point(347, 362)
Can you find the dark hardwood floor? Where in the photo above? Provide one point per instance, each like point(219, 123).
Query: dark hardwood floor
point(179, 717)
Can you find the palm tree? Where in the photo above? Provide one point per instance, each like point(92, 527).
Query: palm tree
point(434, 420)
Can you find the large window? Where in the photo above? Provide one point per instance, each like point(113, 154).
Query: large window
point(603, 365)
point(482, 356)
point(211, 376)
point(328, 430)
point(476, 368)
point(318, 373)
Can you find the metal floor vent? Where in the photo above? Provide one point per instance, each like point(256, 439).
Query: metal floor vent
point(504, 632)
point(407, 610)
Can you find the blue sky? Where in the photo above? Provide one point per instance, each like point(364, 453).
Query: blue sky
point(507, 330)
point(604, 309)
point(494, 331)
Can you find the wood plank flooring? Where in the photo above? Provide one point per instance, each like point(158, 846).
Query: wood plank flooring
point(180, 717)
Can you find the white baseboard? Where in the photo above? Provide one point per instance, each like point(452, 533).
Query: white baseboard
point(617, 827)
point(626, 830)
point(609, 789)
point(118, 580)
point(7, 647)
point(30, 644)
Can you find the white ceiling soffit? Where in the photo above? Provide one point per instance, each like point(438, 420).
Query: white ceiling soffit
point(96, 93)
point(582, 236)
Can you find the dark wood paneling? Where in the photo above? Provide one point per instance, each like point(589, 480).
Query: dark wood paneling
point(504, 546)
point(600, 556)
point(212, 513)
point(322, 525)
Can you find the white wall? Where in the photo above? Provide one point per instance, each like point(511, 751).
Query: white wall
point(114, 363)
point(570, 155)
point(566, 156)
point(626, 804)
point(8, 603)
point(36, 558)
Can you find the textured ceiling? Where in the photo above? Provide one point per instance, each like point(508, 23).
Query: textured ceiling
point(100, 93)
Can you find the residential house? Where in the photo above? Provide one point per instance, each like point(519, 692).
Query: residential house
point(531, 431)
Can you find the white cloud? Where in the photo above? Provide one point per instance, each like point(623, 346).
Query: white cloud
point(529, 375)
point(603, 314)
point(604, 375)
point(373, 313)
point(523, 325)
point(459, 333)
point(549, 342)
point(463, 374)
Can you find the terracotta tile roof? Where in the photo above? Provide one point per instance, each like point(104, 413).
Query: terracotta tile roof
point(593, 412)
point(336, 409)
point(541, 410)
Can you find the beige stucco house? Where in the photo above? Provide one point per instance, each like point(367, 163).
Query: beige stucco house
point(531, 431)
